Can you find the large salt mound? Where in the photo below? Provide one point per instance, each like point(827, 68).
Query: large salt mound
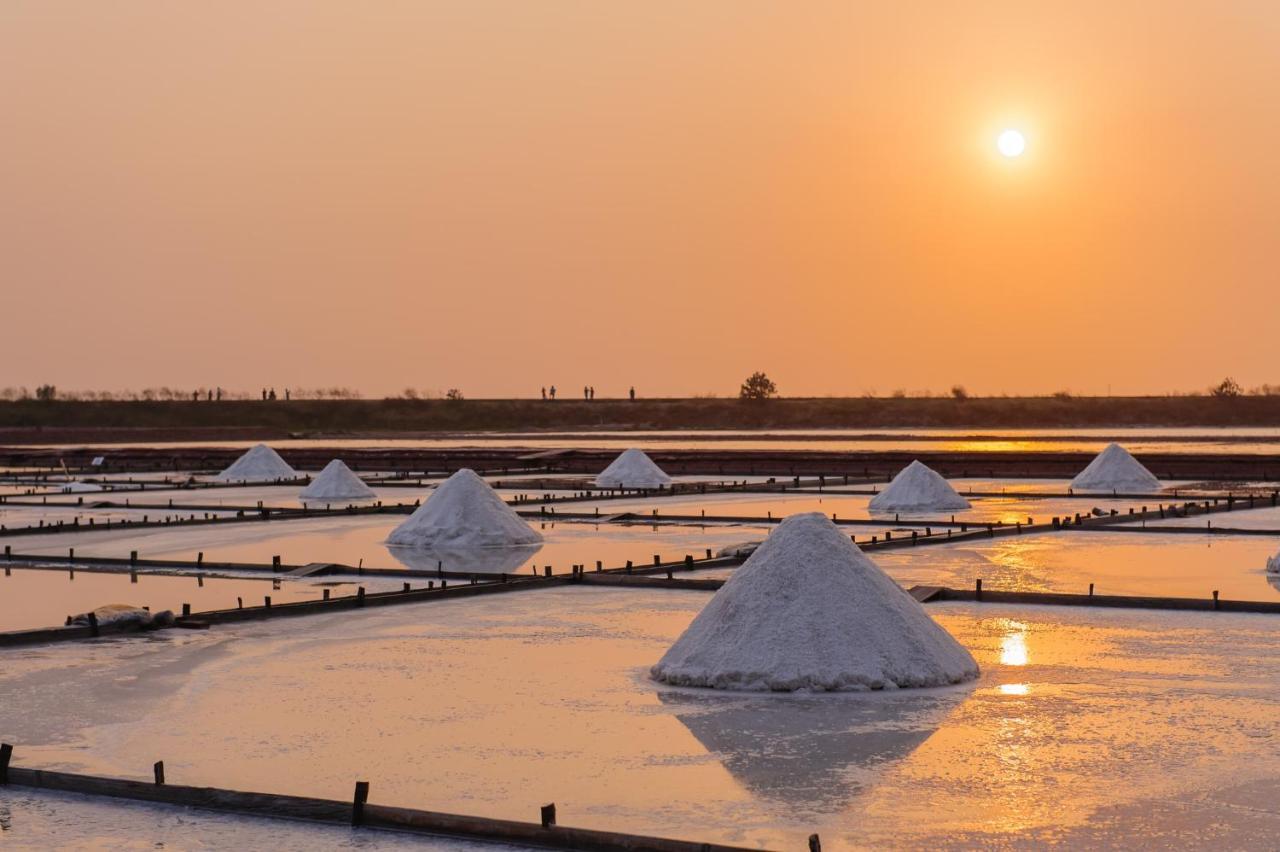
point(809, 611)
point(918, 487)
point(260, 464)
point(1114, 469)
point(464, 512)
point(337, 482)
point(632, 469)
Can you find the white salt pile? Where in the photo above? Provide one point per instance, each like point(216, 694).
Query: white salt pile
point(918, 487)
point(336, 482)
point(809, 611)
point(260, 464)
point(632, 469)
point(464, 512)
point(1114, 469)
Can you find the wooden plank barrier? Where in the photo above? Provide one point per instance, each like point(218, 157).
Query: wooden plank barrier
point(544, 834)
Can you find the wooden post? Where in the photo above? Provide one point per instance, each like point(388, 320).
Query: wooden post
point(549, 815)
point(1091, 590)
point(815, 844)
point(326, 594)
point(159, 772)
point(240, 602)
point(358, 802)
point(93, 623)
point(977, 590)
point(360, 596)
point(266, 601)
point(200, 559)
point(133, 557)
point(1215, 598)
point(6, 754)
point(186, 610)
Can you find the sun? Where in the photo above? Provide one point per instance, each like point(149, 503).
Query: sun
point(1011, 143)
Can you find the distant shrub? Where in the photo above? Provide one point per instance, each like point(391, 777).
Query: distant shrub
point(958, 392)
point(1062, 395)
point(899, 394)
point(46, 392)
point(454, 394)
point(1228, 387)
point(758, 386)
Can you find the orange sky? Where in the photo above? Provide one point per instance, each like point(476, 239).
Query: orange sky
point(499, 195)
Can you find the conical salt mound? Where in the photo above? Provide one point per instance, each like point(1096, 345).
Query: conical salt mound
point(464, 512)
point(260, 464)
point(918, 487)
point(1114, 469)
point(337, 482)
point(1273, 564)
point(632, 469)
point(809, 611)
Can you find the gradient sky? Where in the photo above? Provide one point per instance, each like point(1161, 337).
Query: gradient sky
point(501, 194)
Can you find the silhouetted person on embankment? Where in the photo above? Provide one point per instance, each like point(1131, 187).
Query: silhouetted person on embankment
point(553, 392)
point(544, 394)
point(633, 394)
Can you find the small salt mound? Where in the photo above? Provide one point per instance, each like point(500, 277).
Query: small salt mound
point(123, 615)
point(337, 482)
point(809, 611)
point(1114, 469)
point(633, 469)
point(1273, 564)
point(464, 512)
point(77, 486)
point(260, 464)
point(918, 487)
point(739, 550)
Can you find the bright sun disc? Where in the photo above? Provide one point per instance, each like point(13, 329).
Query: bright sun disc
point(1011, 143)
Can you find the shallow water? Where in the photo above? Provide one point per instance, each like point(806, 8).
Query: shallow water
point(1079, 715)
point(1152, 439)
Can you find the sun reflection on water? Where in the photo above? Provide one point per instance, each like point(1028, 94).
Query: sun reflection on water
point(1013, 645)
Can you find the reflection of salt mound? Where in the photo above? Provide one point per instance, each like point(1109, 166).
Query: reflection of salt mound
point(337, 482)
point(810, 751)
point(918, 487)
point(478, 560)
point(260, 464)
point(1114, 469)
point(809, 611)
point(633, 469)
point(464, 512)
point(1273, 564)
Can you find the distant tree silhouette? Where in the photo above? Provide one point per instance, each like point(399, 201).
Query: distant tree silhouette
point(958, 392)
point(1226, 388)
point(758, 386)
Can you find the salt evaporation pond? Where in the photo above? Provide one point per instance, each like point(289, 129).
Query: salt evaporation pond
point(1087, 727)
point(1008, 508)
point(1199, 439)
point(1117, 563)
point(36, 597)
point(350, 540)
point(42, 820)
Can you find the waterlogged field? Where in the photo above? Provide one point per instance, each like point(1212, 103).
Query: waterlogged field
point(1086, 728)
point(1084, 725)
